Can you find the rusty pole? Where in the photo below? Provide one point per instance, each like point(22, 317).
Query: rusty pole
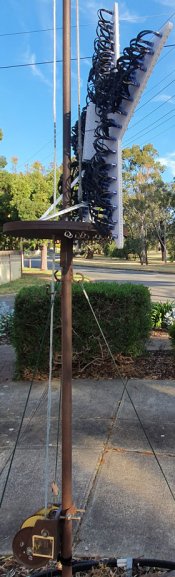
point(66, 301)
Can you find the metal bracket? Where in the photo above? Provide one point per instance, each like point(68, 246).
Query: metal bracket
point(126, 564)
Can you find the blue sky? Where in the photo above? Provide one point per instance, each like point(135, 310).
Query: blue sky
point(26, 93)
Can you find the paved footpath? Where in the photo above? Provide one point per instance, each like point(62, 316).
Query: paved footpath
point(130, 506)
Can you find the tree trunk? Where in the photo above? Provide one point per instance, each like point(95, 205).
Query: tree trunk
point(163, 242)
point(163, 251)
point(44, 257)
point(22, 255)
point(143, 258)
point(146, 254)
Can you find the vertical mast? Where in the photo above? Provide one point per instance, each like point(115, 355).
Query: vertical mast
point(54, 99)
point(118, 212)
point(66, 302)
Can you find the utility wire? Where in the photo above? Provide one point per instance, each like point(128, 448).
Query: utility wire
point(152, 111)
point(156, 135)
point(150, 90)
point(40, 63)
point(154, 96)
point(145, 131)
point(37, 31)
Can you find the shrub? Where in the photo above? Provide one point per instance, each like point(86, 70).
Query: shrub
point(6, 320)
point(122, 310)
point(162, 314)
point(171, 330)
point(131, 249)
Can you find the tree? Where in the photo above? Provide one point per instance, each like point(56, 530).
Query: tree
point(14, 161)
point(3, 161)
point(146, 198)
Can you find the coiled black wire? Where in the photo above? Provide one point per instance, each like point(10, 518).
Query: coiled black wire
point(87, 565)
point(108, 88)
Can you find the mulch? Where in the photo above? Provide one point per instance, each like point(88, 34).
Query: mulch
point(152, 365)
point(9, 567)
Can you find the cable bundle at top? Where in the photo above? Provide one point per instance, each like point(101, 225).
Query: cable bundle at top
point(114, 88)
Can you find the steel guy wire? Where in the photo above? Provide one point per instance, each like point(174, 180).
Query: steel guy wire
point(125, 383)
point(150, 444)
point(11, 456)
point(102, 333)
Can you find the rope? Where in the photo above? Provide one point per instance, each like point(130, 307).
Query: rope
point(49, 398)
point(126, 389)
point(58, 432)
point(79, 103)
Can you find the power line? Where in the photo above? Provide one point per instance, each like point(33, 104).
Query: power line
point(156, 135)
point(157, 93)
point(37, 31)
point(152, 111)
point(155, 85)
point(150, 129)
point(40, 63)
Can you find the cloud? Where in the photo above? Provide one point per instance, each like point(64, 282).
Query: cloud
point(31, 58)
point(87, 62)
point(126, 15)
point(169, 162)
point(164, 98)
point(91, 7)
point(170, 3)
point(74, 78)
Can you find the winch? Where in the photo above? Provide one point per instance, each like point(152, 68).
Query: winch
point(39, 538)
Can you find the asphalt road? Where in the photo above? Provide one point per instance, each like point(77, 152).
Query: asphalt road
point(161, 285)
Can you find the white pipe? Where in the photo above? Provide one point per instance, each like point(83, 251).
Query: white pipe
point(79, 100)
point(116, 32)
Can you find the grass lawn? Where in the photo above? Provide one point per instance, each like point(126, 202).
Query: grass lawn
point(27, 279)
point(154, 259)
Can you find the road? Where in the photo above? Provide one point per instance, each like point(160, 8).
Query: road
point(161, 285)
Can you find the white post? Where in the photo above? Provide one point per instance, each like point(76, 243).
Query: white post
point(116, 32)
point(116, 159)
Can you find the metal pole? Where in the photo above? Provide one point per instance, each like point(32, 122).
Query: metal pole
point(54, 101)
point(66, 302)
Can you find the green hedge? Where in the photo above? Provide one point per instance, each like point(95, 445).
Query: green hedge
point(123, 310)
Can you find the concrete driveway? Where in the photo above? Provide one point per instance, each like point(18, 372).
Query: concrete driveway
point(123, 463)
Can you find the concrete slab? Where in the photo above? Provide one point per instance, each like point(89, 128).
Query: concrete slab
point(129, 435)
point(155, 400)
point(25, 490)
point(131, 512)
point(159, 343)
point(129, 507)
point(7, 363)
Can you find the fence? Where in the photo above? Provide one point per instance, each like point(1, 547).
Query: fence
point(10, 266)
